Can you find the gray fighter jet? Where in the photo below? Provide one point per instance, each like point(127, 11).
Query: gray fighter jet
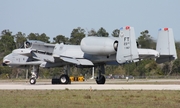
point(92, 52)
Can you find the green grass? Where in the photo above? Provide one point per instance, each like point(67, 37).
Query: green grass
point(89, 99)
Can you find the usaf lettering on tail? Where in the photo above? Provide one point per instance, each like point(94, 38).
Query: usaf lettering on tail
point(92, 52)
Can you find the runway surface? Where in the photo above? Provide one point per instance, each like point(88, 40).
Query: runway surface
point(86, 86)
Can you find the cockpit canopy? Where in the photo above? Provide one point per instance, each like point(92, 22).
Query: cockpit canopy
point(26, 44)
point(38, 46)
point(29, 43)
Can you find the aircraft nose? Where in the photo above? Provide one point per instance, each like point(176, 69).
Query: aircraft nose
point(6, 62)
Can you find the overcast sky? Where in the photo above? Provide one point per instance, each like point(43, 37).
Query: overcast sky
point(55, 17)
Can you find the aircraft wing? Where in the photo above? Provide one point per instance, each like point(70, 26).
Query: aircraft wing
point(70, 55)
point(77, 61)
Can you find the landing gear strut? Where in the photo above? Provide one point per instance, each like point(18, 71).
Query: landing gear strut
point(100, 79)
point(34, 74)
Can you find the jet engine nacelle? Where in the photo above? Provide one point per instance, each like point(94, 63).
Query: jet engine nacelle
point(99, 45)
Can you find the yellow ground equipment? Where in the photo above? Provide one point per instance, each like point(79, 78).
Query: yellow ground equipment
point(80, 78)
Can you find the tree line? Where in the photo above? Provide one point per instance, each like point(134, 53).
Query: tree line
point(10, 41)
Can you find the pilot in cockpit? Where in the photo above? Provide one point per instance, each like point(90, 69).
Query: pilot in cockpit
point(27, 44)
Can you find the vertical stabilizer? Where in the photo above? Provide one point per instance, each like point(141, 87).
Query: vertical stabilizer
point(127, 48)
point(166, 45)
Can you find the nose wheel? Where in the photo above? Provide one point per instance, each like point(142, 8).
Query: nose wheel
point(32, 81)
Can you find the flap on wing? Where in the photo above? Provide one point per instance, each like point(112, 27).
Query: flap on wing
point(70, 60)
point(77, 61)
point(85, 62)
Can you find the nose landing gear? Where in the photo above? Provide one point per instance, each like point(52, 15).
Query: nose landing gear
point(34, 74)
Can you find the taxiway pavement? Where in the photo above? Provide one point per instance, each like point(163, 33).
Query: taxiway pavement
point(88, 87)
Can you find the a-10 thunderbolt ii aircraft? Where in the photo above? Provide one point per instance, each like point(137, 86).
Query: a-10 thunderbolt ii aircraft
point(92, 52)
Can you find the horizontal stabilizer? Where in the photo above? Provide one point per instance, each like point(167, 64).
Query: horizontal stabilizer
point(166, 45)
point(127, 48)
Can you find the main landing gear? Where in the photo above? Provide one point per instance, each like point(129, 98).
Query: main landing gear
point(34, 74)
point(64, 78)
point(100, 79)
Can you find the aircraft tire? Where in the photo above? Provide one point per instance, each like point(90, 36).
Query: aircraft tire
point(64, 79)
point(55, 81)
point(101, 80)
point(69, 81)
point(32, 81)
